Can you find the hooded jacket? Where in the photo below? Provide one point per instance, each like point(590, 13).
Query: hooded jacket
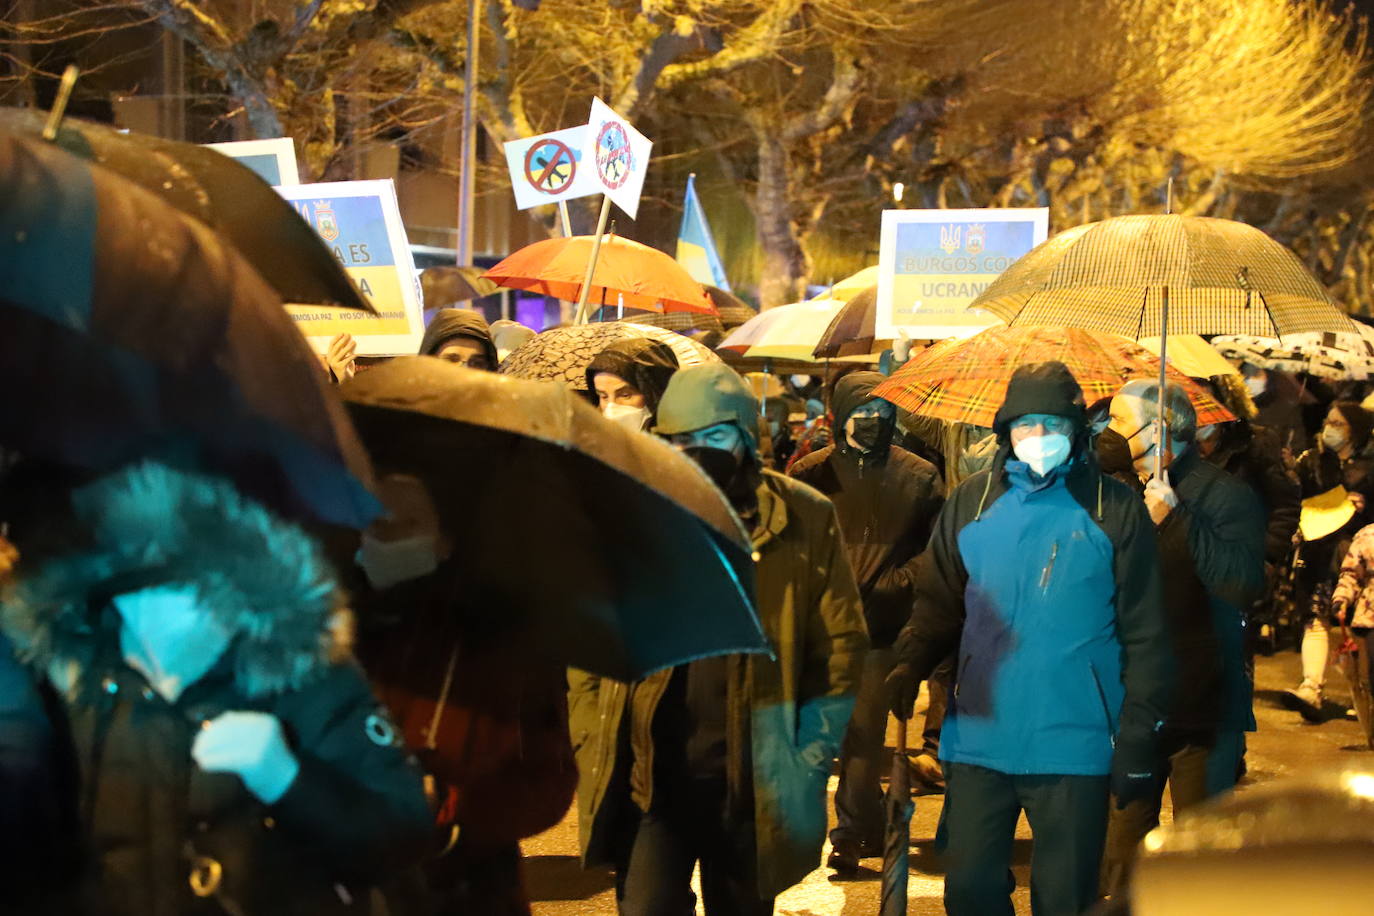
point(886, 501)
point(450, 323)
point(1253, 455)
point(157, 836)
point(645, 363)
point(785, 716)
point(1050, 588)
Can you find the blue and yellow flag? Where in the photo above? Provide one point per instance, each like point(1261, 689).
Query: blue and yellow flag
point(696, 248)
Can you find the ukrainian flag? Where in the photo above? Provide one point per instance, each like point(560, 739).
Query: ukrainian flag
point(696, 249)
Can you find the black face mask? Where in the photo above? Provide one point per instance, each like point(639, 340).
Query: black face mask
point(726, 471)
point(868, 432)
point(1114, 452)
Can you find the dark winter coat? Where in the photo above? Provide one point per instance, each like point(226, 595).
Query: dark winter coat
point(157, 836)
point(786, 716)
point(1253, 454)
point(1280, 410)
point(1212, 547)
point(450, 323)
point(886, 503)
point(1053, 585)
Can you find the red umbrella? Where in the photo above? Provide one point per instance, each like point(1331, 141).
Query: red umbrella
point(627, 273)
point(966, 380)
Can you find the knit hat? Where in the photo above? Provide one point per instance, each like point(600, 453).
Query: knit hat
point(1047, 388)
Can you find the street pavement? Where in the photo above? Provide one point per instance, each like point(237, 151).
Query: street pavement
point(1283, 746)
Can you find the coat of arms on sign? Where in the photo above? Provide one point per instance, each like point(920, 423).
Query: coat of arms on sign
point(324, 220)
point(949, 238)
point(976, 239)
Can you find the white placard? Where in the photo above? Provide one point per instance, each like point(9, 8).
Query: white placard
point(618, 156)
point(550, 167)
point(273, 160)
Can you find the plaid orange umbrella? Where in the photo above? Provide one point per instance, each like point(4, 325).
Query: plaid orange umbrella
point(965, 381)
point(627, 273)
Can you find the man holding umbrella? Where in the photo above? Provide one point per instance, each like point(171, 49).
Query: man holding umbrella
point(1045, 573)
point(725, 760)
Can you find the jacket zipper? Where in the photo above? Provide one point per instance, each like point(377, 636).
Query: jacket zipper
point(1048, 571)
point(1102, 695)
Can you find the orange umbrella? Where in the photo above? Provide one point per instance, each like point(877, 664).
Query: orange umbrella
point(627, 273)
point(966, 381)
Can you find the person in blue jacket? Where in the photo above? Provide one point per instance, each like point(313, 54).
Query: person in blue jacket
point(1043, 572)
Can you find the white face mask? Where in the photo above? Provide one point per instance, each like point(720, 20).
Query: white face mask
point(1043, 453)
point(632, 418)
point(800, 381)
point(1334, 439)
point(1256, 385)
point(388, 563)
point(169, 637)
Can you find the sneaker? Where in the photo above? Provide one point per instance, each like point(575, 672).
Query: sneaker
point(1307, 699)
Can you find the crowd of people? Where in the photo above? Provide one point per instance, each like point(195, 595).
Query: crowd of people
point(207, 708)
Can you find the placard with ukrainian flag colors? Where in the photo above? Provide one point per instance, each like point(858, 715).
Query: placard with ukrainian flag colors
point(933, 263)
point(360, 222)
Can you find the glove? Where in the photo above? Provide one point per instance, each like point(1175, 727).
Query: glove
point(1135, 772)
point(252, 746)
point(902, 686)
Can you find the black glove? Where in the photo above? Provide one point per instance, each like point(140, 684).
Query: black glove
point(1135, 771)
point(902, 687)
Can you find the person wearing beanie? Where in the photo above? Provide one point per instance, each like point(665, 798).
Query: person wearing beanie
point(460, 336)
point(1337, 501)
point(1044, 573)
point(886, 499)
point(725, 761)
point(628, 379)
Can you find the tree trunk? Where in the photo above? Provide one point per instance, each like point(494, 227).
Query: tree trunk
point(782, 277)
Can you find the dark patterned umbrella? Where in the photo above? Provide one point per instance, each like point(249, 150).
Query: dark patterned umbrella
point(129, 330)
point(563, 354)
point(1216, 276)
point(612, 548)
point(853, 331)
point(220, 192)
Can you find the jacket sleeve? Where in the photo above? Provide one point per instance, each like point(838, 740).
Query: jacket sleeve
point(1142, 629)
point(937, 612)
point(1281, 494)
point(836, 642)
point(583, 691)
point(1355, 569)
point(892, 594)
point(358, 801)
point(1226, 540)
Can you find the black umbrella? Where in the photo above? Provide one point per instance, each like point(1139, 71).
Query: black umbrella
point(897, 833)
point(220, 192)
point(615, 551)
point(128, 330)
point(853, 330)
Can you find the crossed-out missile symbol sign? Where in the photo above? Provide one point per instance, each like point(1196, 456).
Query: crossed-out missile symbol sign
point(550, 166)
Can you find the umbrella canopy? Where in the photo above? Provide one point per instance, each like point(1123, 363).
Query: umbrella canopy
point(966, 381)
point(1191, 355)
point(627, 273)
point(223, 194)
point(1222, 277)
point(731, 309)
point(129, 330)
point(786, 332)
point(563, 354)
point(852, 331)
point(854, 284)
point(615, 550)
point(1341, 357)
point(682, 322)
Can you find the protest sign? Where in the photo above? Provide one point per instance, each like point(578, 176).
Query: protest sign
point(273, 160)
point(361, 223)
point(933, 263)
point(618, 157)
point(550, 168)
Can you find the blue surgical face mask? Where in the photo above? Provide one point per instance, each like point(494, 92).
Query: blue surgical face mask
point(1044, 453)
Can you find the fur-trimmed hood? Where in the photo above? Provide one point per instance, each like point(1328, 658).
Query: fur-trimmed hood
point(149, 524)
